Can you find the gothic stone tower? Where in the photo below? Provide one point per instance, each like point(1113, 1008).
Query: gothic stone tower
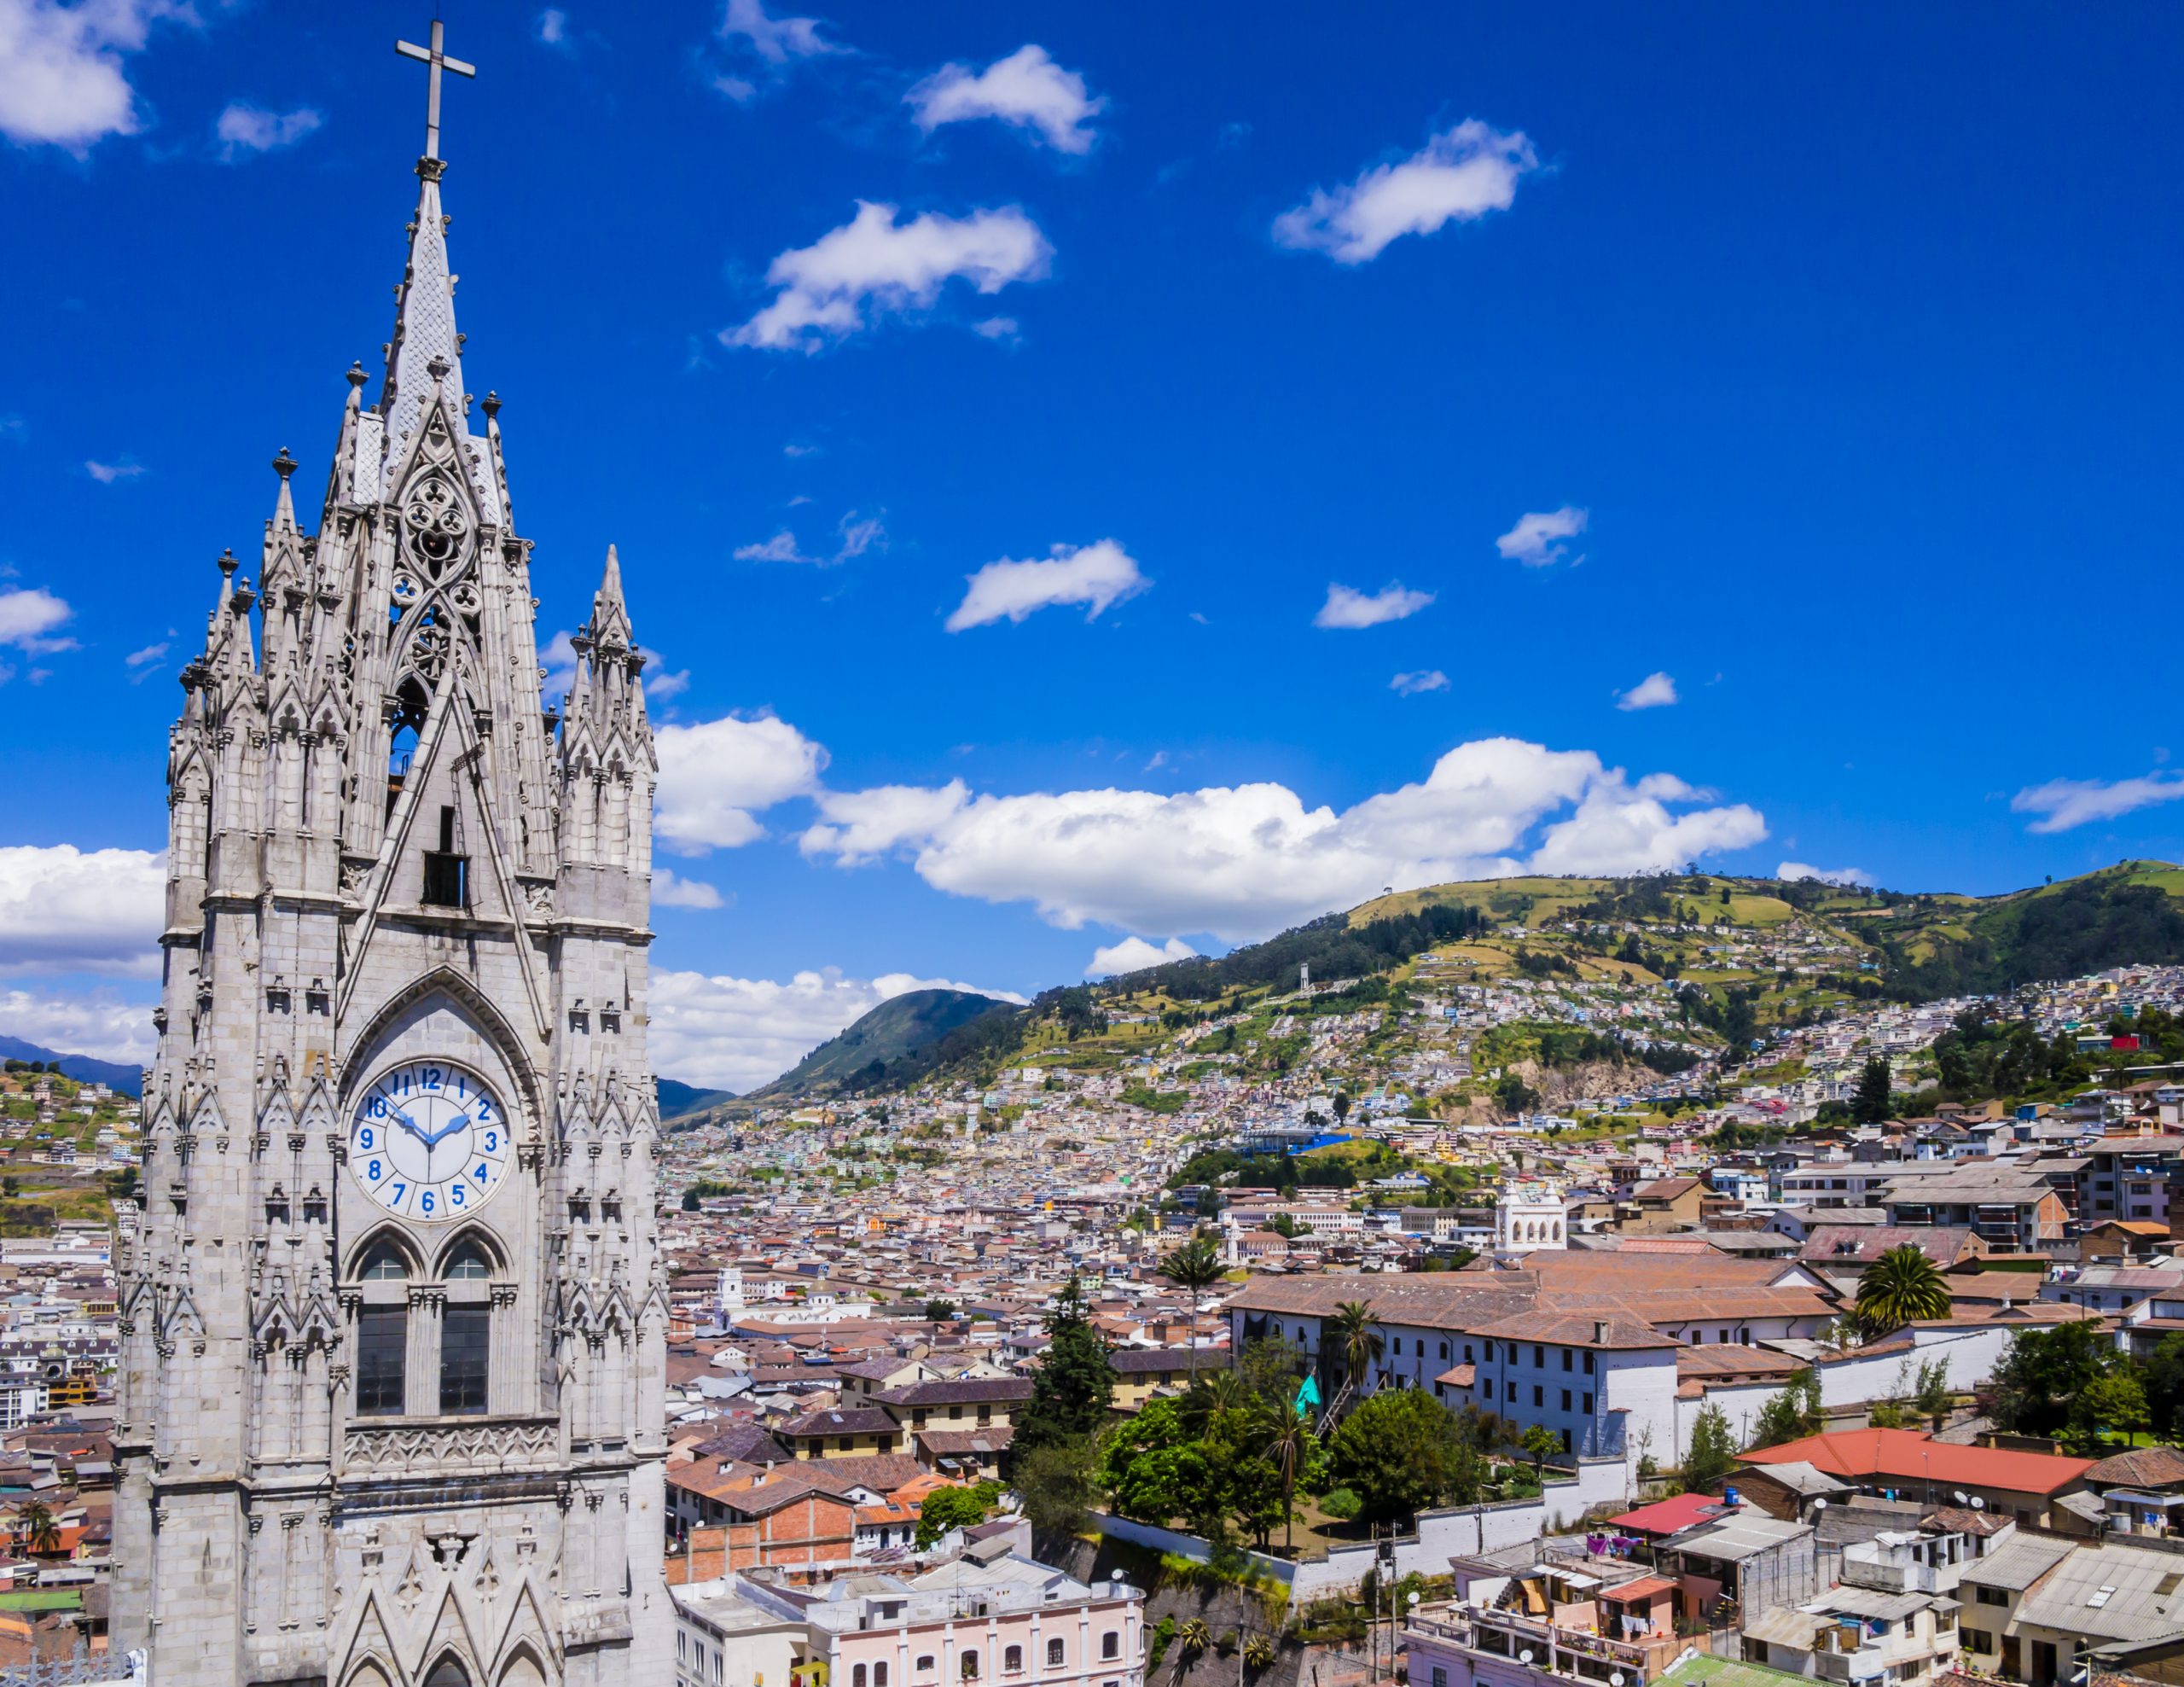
point(393, 1317)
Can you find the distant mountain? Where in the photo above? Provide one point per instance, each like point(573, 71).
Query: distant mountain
point(895, 1044)
point(677, 1099)
point(127, 1080)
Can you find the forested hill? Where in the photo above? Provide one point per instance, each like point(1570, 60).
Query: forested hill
point(895, 1045)
point(1862, 943)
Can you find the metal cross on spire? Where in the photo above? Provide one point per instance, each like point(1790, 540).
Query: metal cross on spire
point(438, 60)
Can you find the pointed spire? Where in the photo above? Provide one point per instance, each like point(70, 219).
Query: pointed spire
point(284, 509)
point(424, 315)
point(610, 616)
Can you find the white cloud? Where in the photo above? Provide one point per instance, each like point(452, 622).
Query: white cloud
point(1096, 575)
point(1425, 679)
point(1134, 954)
point(661, 686)
point(737, 1033)
point(1348, 608)
point(28, 617)
point(714, 776)
point(857, 533)
point(1832, 876)
point(776, 40)
point(1027, 89)
point(1242, 861)
point(1654, 691)
point(2064, 805)
point(554, 26)
point(245, 129)
point(781, 548)
point(100, 1025)
point(62, 81)
point(1542, 537)
point(670, 890)
point(106, 474)
point(996, 328)
point(150, 653)
point(1459, 176)
point(14, 430)
point(874, 265)
point(66, 909)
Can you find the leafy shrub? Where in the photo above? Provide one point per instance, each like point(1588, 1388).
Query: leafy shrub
point(1341, 1505)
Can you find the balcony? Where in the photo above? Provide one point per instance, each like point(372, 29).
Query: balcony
point(1574, 1653)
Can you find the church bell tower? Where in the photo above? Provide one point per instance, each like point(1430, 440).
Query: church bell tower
point(393, 1317)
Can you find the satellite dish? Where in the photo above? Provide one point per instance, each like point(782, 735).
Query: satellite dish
point(1615, 1679)
point(1958, 1496)
point(1978, 1504)
point(1819, 1506)
point(1525, 1656)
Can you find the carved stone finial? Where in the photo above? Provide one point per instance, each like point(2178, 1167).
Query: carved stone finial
point(284, 465)
point(227, 563)
point(438, 368)
point(491, 405)
point(357, 376)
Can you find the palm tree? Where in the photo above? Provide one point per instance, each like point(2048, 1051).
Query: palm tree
point(1356, 1339)
point(1900, 1286)
point(1290, 1446)
point(1210, 1396)
point(1194, 1637)
point(39, 1528)
point(1195, 1267)
point(1258, 1651)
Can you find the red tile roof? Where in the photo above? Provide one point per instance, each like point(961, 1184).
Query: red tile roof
point(1912, 1455)
point(1667, 1516)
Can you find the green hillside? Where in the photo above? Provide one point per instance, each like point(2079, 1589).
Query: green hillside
point(1745, 954)
point(894, 1044)
point(677, 1099)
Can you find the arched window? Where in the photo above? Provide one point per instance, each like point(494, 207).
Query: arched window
point(450, 1674)
point(1054, 1655)
point(925, 1663)
point(879, 1675)
point(469, 1264)
point(384, 1263)
point(1111, 1644)
point(1011, 1661)
point(970, 1666)
point(858, 1675)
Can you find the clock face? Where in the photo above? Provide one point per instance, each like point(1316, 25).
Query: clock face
point(428, 1141)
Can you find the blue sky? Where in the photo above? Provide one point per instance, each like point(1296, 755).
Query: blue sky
point(1367, 411)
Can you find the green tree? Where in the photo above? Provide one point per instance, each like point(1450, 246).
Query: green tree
point(953, 1508)
point(2115, 1401)
point(1899, 1287)
point(1282, 1223)
point(1713, 1453)
point(1398, 1452)
point(2043, 1371)
point(1355, 1341)
point(1932, 1395)
point(938, 1310)
point(2162, 1376)
point(1055, 1483)
point(1075, 1384)
point(1195, 1267)
point(1792, 1415)
point(1874, 1100)
point(1341, 1105)
point(37, 1528)
point(1290, 1444)
point(1540, 1444)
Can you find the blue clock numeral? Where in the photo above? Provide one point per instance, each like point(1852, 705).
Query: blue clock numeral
point(492, 1141)
point(376, 1106)
point(425, 1202)
point(484, 1109)
point(459, 1194)
point(462, 1089)
point(432, 1077)
point(480, 1173)
point(400, 1190)
point(373, 1171)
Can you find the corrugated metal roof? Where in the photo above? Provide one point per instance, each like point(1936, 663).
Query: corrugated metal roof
point(2110, 1592)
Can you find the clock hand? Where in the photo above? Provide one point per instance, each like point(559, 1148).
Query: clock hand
point(459, 1122)
point(412, 1126)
